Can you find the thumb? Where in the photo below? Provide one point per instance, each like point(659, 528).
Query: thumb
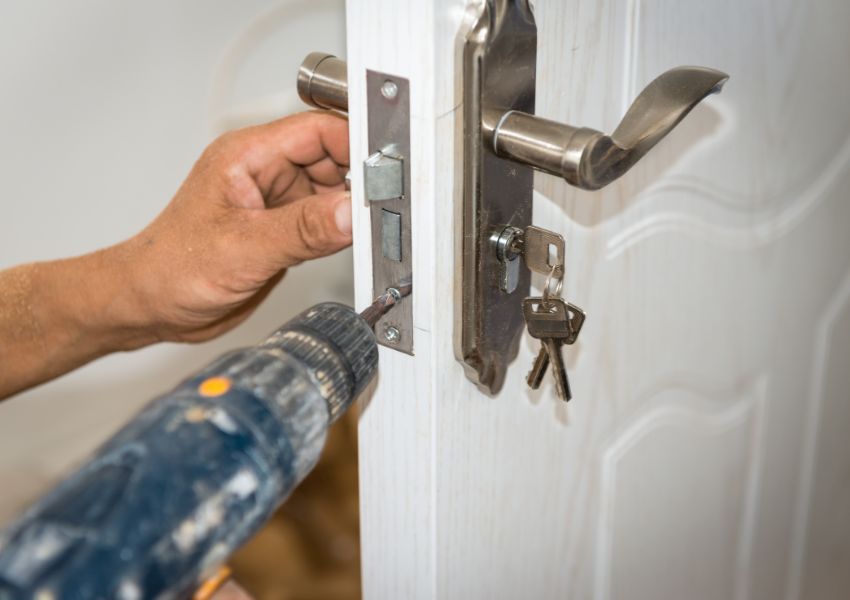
point(310, 227)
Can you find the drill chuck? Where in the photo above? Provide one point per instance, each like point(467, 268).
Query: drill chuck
point(168, 498)
point(337, 346)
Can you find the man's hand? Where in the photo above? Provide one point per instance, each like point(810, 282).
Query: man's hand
point(258, 201)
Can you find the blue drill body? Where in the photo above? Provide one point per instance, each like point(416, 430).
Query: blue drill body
point(166, 500)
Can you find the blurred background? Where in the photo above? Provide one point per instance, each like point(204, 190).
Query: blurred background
point(105, 107)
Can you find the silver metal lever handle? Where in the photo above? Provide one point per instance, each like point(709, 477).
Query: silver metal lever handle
point(323, 81)
point(589, 159)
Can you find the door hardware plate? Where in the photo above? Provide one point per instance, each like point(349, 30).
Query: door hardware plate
point(387, 189)
point(499, 70)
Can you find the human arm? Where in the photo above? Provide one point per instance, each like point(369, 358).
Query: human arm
point(258, 201)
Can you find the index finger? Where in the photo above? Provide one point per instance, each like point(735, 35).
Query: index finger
point(278, 150)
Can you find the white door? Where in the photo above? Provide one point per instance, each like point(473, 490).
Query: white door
point(705, 452)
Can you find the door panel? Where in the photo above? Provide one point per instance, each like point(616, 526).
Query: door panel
point(702, 454)
point(654, 503)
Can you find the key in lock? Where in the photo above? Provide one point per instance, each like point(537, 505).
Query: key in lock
point(542, 250)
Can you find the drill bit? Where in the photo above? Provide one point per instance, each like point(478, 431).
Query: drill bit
point(386, 301)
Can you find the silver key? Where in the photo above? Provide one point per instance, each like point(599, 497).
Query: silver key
point(538, 369)
point(554, 324)
point(550, 348)
point(559, 372)
point(559, 319)
point(543, 251)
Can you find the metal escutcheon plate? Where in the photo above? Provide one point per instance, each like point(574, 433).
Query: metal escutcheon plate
point(499, 66)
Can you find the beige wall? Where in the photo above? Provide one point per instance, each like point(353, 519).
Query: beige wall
point(105, 106)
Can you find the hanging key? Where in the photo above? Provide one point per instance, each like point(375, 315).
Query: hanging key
point(543, 251)
point(555, 318)
point(550, 353)
point(550, 319)
point(559, 371)
point(538, 368)
point(548, 348)
point(554, 322)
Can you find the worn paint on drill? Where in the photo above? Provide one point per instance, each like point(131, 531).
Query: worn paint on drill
point(236, 449)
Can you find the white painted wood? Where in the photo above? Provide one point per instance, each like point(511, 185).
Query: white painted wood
point(705, 452)
point(397, 422)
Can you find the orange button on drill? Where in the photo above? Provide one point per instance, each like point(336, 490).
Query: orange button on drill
point(214, 386)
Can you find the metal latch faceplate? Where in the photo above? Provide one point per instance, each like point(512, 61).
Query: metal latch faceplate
point(386, 176)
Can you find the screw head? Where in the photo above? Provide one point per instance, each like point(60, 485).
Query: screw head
point(389, 90)
point(392, 335)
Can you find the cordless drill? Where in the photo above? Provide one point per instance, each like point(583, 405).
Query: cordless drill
point(164, 502)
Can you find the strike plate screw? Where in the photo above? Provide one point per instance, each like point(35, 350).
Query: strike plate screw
point(389, 90)
point(392, 335)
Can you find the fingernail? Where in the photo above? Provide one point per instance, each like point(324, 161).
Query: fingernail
point(342, 215)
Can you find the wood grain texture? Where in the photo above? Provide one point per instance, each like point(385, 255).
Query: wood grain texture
point(694, 460)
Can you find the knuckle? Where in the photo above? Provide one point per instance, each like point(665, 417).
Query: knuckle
point(232, 178)
point(229, 141)
point(310, 231)
point(307, 116)
point(220, 147)
point(227, 158)
point(231, 148)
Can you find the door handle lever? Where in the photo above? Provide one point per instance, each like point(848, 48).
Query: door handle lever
point(590, 159)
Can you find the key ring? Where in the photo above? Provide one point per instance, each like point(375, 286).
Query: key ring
point(558, 286)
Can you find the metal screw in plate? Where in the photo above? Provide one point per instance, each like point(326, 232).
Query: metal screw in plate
point(389, 90)
point(392, 335)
